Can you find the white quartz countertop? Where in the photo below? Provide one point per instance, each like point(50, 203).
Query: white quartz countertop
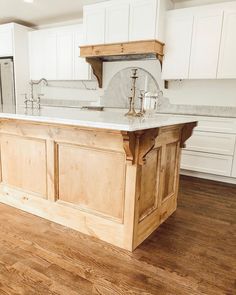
point(108, 119)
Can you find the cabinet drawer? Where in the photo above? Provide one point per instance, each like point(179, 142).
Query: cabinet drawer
point(208, 142)
point(207, 163)
point(214, 125)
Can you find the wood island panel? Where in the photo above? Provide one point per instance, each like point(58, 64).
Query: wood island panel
point(116, 186)
point(92, 179)
point(24, 163)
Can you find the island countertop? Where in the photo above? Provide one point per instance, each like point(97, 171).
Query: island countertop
point(93, 171)
point(108, 119)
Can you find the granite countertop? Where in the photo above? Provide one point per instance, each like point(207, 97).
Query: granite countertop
point(108, 119)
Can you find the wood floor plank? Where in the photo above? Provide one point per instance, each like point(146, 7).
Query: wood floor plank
point(192, 253)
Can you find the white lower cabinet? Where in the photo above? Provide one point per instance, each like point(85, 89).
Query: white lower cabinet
point(234, 165)
point(207, 163)
point(209, 142)
point(212, 148)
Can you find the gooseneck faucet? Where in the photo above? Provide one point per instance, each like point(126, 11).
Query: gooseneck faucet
point(31, 99)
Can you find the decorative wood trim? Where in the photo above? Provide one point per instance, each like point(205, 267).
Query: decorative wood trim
point(96, 54)
point(129, 141)
point(187, 132)
point(97, 67)
point(147, 143)
point(128, 48)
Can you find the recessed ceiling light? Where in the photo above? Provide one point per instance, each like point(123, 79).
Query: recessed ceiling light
point(29, 1)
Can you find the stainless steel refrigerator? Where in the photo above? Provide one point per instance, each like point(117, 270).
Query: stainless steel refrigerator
point(7, 89)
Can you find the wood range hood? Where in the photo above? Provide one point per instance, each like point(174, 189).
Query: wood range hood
point(138, 50)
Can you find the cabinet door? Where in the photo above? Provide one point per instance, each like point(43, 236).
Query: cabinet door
point(227, 61)
point(42, 55)
point(94, 22)
point(207, 163)
point(6, 41)
point(48, 55)
point(234, 165)
point(117, 22)
point(205, 45)
point(178, 37)
point(65, 57)
point(82, 70)
point(143, 19)
point(36, 56)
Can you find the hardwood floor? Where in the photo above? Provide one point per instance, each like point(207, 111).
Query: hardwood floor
point(193, 252)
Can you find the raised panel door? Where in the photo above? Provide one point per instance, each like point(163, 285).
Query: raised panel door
point(143, 15)
point(94, 22)
point(227, 60)
point(205, 45)
point(65, 55)
point(178, 38)
point(117, 22)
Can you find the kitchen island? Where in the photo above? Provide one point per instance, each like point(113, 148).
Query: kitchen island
point(103, 174)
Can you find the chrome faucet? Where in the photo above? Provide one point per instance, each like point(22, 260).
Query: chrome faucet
point(31, 99)
point(39, 81)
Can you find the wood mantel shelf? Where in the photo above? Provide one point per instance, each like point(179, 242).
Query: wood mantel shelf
point(97, 54)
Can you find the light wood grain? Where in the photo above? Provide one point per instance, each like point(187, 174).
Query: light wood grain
point(24, 163)
point(115, 186)
point(96, 54)
point(87, 179)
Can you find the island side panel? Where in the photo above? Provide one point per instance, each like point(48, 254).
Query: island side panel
point(158, 179)
point(83, 177)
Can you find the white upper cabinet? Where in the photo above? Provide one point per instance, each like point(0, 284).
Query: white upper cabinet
point(117, 22)
point(143, 19)
point(82, 70)
point(48, 56)
point(36, 56)
point(124, 20)
point(42, 55)
point(54, 54)
point(6, 41)
point(178, 38)
point(65, 58)
point(205, 44)
point(227, 60)
point(94, 23)
point(205, 52)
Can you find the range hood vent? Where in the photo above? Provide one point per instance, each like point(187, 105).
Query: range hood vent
point(138, 50)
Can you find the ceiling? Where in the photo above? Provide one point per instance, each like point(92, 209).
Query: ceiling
point(46, 12)
point(42, 12)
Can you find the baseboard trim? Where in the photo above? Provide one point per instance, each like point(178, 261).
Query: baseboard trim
point(208, 176)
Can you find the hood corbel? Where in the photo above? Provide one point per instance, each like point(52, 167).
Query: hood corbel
point(138, 50)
